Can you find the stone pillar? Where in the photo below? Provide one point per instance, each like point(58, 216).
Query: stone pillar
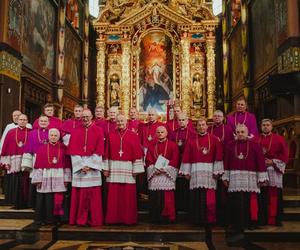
point(125, 82)
point(211, 74)
point(185, 74)
point(100, 73)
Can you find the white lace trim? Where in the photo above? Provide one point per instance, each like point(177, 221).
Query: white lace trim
point(245, 181)
point(185, 169)
point(94, 161)
point(280, 165)
point(121, 171)
point(275, 178)
point(225, 176)
point(27, 161)
point(14, 161)
point(218, 168)
point(202, 176)
point(262, 176)
point(51, 179)
point(90, 179)
point(138, 166)
point(162, 181)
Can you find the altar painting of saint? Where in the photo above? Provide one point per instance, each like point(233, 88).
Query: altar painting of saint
point(156, 83)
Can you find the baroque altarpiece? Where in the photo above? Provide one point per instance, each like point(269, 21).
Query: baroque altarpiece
point(152, 51)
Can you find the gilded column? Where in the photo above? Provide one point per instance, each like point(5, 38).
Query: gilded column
point(225, 61)
point(185, 74)
point(211, 74)
point(100, 72)
point(86, 55)
point(125, 83)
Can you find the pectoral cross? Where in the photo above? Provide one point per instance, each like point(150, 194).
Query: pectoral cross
point(121, 152)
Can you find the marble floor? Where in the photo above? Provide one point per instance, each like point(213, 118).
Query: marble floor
point(89, 245)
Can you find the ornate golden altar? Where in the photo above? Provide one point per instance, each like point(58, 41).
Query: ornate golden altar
point(153, 51)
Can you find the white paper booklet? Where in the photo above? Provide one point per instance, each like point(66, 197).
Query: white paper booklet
point(161, 162)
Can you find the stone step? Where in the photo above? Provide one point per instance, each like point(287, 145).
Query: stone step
point(291, 214)
point(6, 212)
point(24, 232)
point(41, 244)
point(7, 243)
point(291, 201)
point(289, 232)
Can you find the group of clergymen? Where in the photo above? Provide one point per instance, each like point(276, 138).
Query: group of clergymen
point(223, 172)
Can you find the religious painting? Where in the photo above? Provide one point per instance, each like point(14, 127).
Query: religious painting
point(39, 36)
point(263, 21)
point(72, 64)
point(155, 72)
point(14, 24)
point(236, 51)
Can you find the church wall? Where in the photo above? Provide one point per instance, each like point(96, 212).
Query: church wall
point(9, 96)
point(263, 38)
point(236, 52)
point(43, 44)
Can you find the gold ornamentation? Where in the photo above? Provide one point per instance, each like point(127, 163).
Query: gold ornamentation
point(10, 66)
point(211, 76)
point(129, 21)
point(125, 85)
point(101, 73)
point(185, 74)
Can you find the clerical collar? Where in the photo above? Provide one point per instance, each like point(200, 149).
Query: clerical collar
point(53, 143)
point(162, 140)
point(152, 122)
point(241, 112)
point(87, 126)
point(264, 134)
point(43, 129)
point(203, 134)
point(21, 127)
point(182, 128)
point(122, 130)
point(218, 124)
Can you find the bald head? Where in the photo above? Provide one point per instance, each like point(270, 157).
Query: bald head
point(87, 117)
point(241, 131)
point(161, 133)
point(112, 113)
point(15, 116)
point(152, 115)
point(121, 122)
point(182, 120)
